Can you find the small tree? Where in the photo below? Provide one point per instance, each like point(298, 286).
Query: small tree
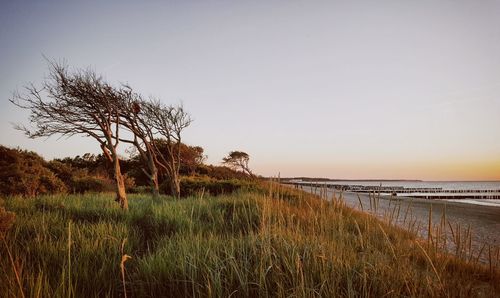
point(134, 118)
point(78, 103)
point(167, 122)
point(238, 160)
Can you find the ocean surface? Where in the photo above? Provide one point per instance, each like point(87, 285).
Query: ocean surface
point(445, 185)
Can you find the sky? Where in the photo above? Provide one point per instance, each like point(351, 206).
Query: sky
point(338, 89)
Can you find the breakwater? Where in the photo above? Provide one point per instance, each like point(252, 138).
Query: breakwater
point(401, 191)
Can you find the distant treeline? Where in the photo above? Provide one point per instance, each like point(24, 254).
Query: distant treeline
point(27, 174)
point(312, 179)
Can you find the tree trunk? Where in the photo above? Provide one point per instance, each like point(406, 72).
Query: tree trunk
point(175, 186)
point(153, 177)
point(121, 195)
point(155, 188)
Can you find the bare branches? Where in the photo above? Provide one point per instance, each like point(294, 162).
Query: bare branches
point(70, 103)
point(78, 102)
point(167, 122)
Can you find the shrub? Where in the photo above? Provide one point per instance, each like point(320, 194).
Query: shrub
point(26, 173)
point(220, 172)
point(65, 172)
point(6, 221)
point(129, 182)
point(140, 189)
point(191, 186)
point(91, 184)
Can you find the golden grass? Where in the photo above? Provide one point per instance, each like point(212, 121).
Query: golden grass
point(274, 241)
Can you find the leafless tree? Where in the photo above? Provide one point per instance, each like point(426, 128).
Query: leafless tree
point(168, 122)
point(77, 103)
point(238, 160)
point(134, 118)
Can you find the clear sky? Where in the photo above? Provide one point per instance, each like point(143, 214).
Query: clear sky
point(347, 89)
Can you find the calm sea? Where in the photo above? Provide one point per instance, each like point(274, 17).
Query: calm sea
point(446, 185)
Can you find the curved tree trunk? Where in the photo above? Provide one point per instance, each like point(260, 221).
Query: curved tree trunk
point(121, 195)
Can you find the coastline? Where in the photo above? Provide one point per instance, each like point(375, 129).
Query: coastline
point(481, 222)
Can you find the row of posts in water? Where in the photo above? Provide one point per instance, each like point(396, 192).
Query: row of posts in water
point(416, 192)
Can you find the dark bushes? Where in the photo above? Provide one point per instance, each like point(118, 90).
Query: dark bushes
point(93, 184)
point(220, 172)
point(25, 173)
point(191, 186)
point(6, 221)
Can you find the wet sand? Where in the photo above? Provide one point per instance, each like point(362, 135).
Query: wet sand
point(484, 221)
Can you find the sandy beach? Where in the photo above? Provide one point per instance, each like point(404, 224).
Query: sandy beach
point(484, 221)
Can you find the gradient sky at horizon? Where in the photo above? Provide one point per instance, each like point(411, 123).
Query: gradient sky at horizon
point(363, 89)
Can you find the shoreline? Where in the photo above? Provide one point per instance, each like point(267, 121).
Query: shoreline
point(477, 202)
point(482, 223)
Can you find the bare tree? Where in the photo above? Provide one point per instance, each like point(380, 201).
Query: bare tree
point(77, 103)
point(168, 122)
point(238, 160)
point(136, 121)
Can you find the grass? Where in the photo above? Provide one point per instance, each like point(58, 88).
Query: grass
point(273, 242)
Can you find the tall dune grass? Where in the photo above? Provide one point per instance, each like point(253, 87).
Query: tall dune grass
point(273, 242)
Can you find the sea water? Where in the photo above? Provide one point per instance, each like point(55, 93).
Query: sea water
point(445, 185)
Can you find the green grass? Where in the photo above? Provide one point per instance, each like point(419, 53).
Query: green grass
point(273, 242)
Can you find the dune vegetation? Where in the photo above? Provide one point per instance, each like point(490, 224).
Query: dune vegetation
point(267, 241)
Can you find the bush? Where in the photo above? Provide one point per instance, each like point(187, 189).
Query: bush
point(65, 172)
point(140, 189)
point(191, 186)
point(220, 172)
point(6, 221)
point(25, 173)
point(91, 184)
point(129, 182)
